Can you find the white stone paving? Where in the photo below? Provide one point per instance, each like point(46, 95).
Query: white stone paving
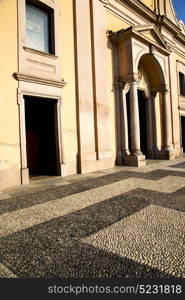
point(153, 236)
point(24, 218)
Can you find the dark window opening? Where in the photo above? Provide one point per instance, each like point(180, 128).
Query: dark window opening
point(39, 27)
point(182, 83)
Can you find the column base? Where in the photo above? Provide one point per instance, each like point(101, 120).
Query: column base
point(135, 160)
point(25, 176)
point(150, 155)
point(164, 154)
point(121, 155)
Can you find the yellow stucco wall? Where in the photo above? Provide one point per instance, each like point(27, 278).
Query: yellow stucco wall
point(149, 3)
point(68, 73)
point(112, 23)
point(9, 122)
point(9, 115)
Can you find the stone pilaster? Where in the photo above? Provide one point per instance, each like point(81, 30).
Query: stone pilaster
point(102, 108)
point(84, 79)
point(167, 137)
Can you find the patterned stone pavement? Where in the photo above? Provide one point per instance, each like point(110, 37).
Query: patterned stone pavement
point(122, 223)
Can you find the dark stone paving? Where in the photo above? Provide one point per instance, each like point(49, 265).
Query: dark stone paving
point(23, 201)
point(179, 165)
point(54, 249)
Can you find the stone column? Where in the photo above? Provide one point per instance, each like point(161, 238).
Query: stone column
point(125, 125)
point(150, 138)
point(154, 122)
point(136, 158)
point(122, 123)
point(166, 121)
point(134, 119)
point(118, 85)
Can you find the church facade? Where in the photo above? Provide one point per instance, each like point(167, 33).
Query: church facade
point(89, 84)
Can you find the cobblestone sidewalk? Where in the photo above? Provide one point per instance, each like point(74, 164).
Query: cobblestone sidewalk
point(122, 222)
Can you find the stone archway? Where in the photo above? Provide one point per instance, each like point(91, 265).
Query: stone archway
point(158, 107)
point(147, 85)
point(141, 48)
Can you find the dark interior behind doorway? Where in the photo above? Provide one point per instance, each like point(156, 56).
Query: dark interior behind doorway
point(143, 121)
point(183, 133)
point(41, 136)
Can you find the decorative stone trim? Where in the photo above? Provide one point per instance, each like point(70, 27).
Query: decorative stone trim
point(106, 2)
point(136, 32)
point(40, 52)
point(151, 16)
point(21, 103)
point(32, 79)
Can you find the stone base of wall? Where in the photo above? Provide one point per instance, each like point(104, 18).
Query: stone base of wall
point(10, 177)
point(69, 168)
point(95, 165)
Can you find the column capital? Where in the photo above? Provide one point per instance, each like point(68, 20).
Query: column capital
point(165, 89)
point(134, 77)
point(153, 94)
point(134, 82)
point(119, 84)
point(160, 89)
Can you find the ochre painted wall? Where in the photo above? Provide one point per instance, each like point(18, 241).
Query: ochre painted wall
point(112, 23)
point(9, 118)
point(149, 3)
point(67, 55)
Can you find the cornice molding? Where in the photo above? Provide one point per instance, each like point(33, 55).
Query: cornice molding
point(38, 80)
point(151, 16)
point(134, 32)
point(105, 1)
point(141, 8)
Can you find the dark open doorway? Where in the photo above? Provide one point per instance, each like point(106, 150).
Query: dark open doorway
point(128, 120)
point(41, 136)
point(183, 134)
point(143, 121)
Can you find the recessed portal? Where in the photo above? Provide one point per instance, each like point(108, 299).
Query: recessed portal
point(128, 120)
point(41, 135)
point(183, 133)
point(142, 121)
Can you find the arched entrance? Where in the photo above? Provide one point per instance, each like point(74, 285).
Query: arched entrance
point(141, 52)
point(148, 114)
point(143, 122)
